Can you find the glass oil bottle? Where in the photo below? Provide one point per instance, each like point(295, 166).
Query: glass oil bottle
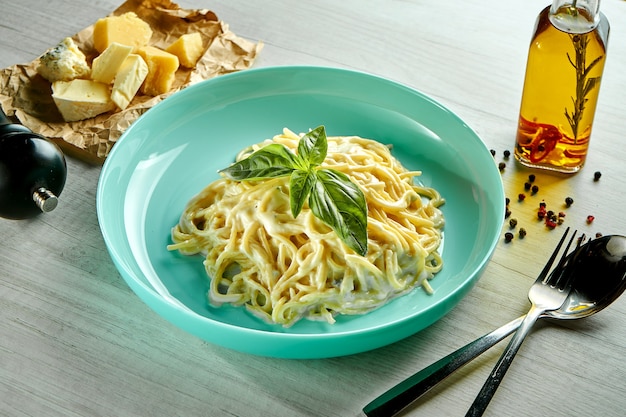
point(565, 64)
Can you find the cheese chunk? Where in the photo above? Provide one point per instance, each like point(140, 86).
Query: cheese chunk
point(106, 65)
point(64, 62)
point(188, 48)
point(81, 99)
point(127, 29)
point(162, 68)
point(128, 80)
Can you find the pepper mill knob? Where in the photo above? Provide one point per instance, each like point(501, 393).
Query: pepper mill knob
point(45, 200)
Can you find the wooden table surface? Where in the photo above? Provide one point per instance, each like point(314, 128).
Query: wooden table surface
point(76, 341)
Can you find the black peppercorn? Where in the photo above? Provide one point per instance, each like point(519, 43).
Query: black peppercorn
point(501, 166)
point(513, 223)
point(597, 175)
point(522, 233)
point(493, 152)
point(507, 153)
point(527, 186)
point(569, 201)
point(508, 236)
point(531, 178)
point(535, 189)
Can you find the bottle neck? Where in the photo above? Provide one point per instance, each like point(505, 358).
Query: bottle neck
point(575, 16)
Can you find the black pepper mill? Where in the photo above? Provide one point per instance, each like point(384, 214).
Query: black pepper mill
point(32, 171)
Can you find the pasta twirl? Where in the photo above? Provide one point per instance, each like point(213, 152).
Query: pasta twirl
point(284, 269)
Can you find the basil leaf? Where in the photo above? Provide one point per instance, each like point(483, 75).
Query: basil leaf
point(271, 161)
point(341, 204)
point(313, 146)
point(300, 186)
point(332, 197)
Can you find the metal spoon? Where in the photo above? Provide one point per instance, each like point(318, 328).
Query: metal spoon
point(600, 279)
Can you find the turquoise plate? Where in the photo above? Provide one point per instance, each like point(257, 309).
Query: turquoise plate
point(175, 149)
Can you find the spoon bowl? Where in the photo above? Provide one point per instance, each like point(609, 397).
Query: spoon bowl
point(600, 278)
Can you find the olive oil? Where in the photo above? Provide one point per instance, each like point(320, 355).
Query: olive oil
point(565, 63)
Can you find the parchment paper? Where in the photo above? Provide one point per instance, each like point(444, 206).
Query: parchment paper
point(26, 96)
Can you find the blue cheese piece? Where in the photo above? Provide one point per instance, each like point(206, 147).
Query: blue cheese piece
point(64, 62)
point(81, 99)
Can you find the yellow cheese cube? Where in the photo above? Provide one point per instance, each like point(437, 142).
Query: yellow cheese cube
point(106, 65)
point(127, 29)
point(128, 80)
point(81, 99)
point(162, 68)
point(188, 48)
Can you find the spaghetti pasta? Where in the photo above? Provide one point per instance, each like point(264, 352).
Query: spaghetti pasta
point(284, 269)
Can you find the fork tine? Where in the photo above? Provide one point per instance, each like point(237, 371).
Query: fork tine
point(567, 271)
point(544, 272)
point(566, 251)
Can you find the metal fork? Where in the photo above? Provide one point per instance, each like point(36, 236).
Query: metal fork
point(399, 397)
point(547, 293)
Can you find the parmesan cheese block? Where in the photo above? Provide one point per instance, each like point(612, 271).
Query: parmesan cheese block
point(188, 48)
point(127, 29)
point(128, 80)
point(106, 65)
point(162, 68)
point(64, 62)
point(81, 99)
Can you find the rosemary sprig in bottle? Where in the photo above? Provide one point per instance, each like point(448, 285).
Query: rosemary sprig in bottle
point(584, 83)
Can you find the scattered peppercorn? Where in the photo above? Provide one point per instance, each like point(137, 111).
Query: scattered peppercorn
point(507, 153)
point(535, 189)
point(507, 200)
point(513, 223)
point(501, 166)
point(569, 201)
point(598, 235)
point(521, 196)
point(531, 178)
point(590, 219)
point(507, 212)
point(527, 186)
point(597, 175)
point(522, 233)
point(542, 204)
point(541, 214)
point(552, 220)
point(508, 236)
point(493, 152)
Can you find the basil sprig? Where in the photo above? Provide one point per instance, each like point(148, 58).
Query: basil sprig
point(332, 197)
